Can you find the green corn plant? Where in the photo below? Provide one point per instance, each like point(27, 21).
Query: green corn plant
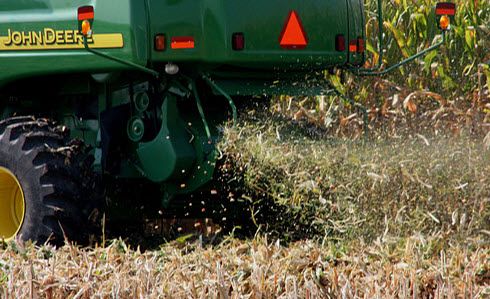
point(410, 26)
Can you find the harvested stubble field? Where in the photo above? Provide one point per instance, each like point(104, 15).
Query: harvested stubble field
point(400, 216)
point(390, 268)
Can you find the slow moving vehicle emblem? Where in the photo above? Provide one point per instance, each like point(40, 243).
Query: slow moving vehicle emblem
point(293, 35)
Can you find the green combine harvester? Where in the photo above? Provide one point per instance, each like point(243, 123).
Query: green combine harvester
point(137, 89)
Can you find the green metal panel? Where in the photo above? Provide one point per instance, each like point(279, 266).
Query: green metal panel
point(58, 18)
point(212, 23)
point(170, 154)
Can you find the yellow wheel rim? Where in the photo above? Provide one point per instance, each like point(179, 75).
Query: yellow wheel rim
point(12, 205)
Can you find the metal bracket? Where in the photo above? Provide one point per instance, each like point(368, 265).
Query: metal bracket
point(119, 60)
point(227, 96)
point(375, 71)
point(200, 109)
point(403, 62)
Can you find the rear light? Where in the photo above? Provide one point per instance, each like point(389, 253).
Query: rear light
point(85, 17)
point(340, 43)
point(160, 42)
point(445, 11)
point(86, 28)
point(238, 41)
point(182, 42)
point(85, 13)
point(445, 8)
point(353, 46)
point(361, 47)
point(444, 22)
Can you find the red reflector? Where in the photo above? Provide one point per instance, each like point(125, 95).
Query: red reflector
point(360, 45)
point(353, 46)
point(160, 42)
point(293, 35)
point(445, 8)
point(85, 13)
point(340, 43)
point(238, 41)
point(182, 42)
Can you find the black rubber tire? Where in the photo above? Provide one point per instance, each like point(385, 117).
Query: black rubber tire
point(56, 179)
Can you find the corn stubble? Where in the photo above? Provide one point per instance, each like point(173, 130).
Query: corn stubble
point(393, 268)
point(404, 216)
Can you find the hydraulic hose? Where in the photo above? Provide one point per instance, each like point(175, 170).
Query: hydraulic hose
point(375, 71)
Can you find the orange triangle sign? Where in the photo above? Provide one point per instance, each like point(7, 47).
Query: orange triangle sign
point(293, 35)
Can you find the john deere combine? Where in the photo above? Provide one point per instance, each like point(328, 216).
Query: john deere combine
point(136, 89)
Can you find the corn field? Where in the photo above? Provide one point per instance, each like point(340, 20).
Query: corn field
point(410, 26)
